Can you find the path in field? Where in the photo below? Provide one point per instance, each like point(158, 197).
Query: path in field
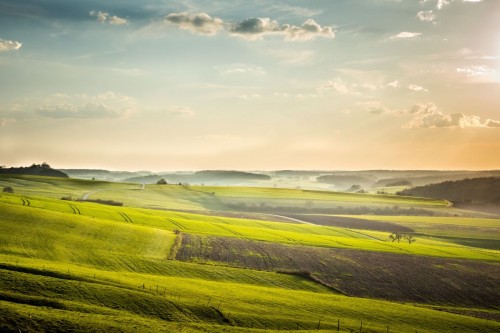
point(291, 219)
point(86, 195)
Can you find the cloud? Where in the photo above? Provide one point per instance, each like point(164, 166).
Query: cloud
point(200, 23)
point(240, 69)
point(180, 111)
point(294, 10)
point(5, 122)
point(106, 105)
point(406, 35)
point(475, 71)
point(292, 57)
point(247, 96)
point(107, 18)
point(377, 108)
point(394, 84)
point(414, 87)
point(9, 45)
point(115, 20)
point(426, 16)
point(256, 28)
point(337, 85)
point(307, 31)
point(492, 123)
point(442, 3)
point(429, 116)
point(253, 28)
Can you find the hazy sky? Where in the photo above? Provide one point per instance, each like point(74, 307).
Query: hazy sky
point(172, 85)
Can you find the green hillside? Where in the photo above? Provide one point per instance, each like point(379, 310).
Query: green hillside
point(78, 266)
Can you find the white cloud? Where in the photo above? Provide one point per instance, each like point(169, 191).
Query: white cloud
point(247, 96)
point(442, 3)
point(377, 108)
point(9, 45)
point(336, 85)
point(104, 17)
point(394, 84)
point(492, 123)
point(406, 35)
point(415, 87)
point(180, 111)
point(115, 20)
point(256, 28)
point(106, 105)
point(240, 69)
point(475, 71)
point(200, 23)
point(429, 116)
point(307, 31)
point(426, 16)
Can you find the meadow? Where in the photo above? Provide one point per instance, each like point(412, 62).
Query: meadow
point(82, 266)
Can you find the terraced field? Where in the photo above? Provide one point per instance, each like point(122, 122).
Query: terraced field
point(81, 266)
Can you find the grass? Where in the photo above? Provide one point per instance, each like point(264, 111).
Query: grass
point(286, 233)
point(240, 304)
point(284, 197)
point(204, 197)
point(85, 267)
point(475, 232)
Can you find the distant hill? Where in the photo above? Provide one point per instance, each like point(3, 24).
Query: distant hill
point(222, 177)
point(36, 170)
point(104, 174)
point(346, 180)
point(217, 174)
point(475, 190)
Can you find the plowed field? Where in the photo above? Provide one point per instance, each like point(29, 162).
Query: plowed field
point(396, 277)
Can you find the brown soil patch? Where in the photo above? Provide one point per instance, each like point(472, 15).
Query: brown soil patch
point(395, 277)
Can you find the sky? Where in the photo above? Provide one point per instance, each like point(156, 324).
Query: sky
point(250, 85)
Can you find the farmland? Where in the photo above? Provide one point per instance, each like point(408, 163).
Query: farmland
point(176, 258)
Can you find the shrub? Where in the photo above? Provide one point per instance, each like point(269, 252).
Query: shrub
point(8, 189)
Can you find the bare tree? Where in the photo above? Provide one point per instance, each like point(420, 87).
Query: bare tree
point(398, 236)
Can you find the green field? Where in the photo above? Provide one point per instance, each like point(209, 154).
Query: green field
point(205, 197)
point(81, 266)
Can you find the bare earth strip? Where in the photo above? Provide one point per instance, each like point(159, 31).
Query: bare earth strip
point(395, 277)
point(349, 222)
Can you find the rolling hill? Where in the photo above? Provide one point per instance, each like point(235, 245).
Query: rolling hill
point(68, 265)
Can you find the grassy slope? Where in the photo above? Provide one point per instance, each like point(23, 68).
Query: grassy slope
point(65, 271)
point(476, 232)
point(203, 197)
point(287, 233)
point(119, 251)
point(279, 196)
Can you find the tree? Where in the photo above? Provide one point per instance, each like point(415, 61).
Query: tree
point(398, 236)
point(410, 238)
point(161, 182)
point(8, 189)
